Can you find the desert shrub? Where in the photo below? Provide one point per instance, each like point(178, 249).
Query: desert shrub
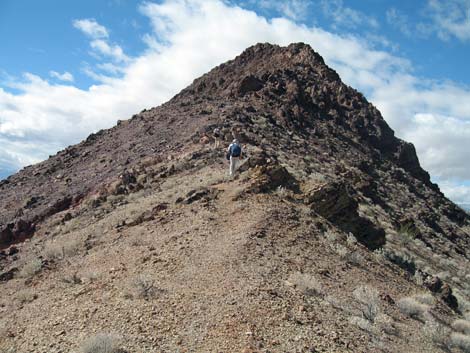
point(407, 233)
point(411, 307)
point(418, 278)
point(62, 249)
point(436, 333)
point(26, 296)
point(370, 303)
point(462, 326)
point(89, 276)
point(448, 263)
point(306, 283)
point(401, 259)
point(351, 239)
point(331, 236)
point(101, 343)
point(425, 298)
point(355, 258)
point(30, 268)
point(345, 254)
point(4, 331)
point(464, 304)
point(341, 250)
point(334, 302)
point(72, 279)
point(444, 275)
point(385, 324)
point(379, 255)
point(143, 287)
point(362, 323)
point(461, 341)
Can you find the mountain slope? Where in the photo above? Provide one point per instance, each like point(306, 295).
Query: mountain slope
point(137, 231)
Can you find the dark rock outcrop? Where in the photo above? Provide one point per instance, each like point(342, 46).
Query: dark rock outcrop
point(335, 202)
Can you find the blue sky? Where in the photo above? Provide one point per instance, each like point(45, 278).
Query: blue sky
point(69, 68)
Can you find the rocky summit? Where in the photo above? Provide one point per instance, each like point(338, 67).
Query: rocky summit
point(330, 238)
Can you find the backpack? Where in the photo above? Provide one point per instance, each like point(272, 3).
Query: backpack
point(236, 150)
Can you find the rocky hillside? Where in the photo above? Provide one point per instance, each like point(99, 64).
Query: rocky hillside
point(331, 238)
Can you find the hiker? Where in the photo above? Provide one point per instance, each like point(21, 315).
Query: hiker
point(216, 135)
point(234, 152)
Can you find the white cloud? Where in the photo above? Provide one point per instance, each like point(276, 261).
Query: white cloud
point(399, 20)
point(113, 51)
point(66, 76)
point(100, 40)
point(449, 18)
point(191, 37)
point(346, 16)
point(91, 28)
point(292, 9)
point(457, 192)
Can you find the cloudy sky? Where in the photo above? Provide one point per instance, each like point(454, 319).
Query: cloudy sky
point(68, 68)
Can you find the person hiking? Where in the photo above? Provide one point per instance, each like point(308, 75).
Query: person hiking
point(234, 152)
point(216, 135)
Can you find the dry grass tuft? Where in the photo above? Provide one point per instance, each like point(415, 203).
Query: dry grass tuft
point(26, 296)
point(306, 283)
point(461, 341)
point(413, 308)
point(436, 333)
point(62, 249)
point(143, 287)
point(101, 343)
point(30, 268)
point(462, 326)
point(369, 299)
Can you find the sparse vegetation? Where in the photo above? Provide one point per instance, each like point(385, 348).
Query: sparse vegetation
point(101, 343)
point(72, 279)
point(30, 268)
point(331, 236)
point(62, 249)
point(412, 307)
point(368, 297)
point(143, 287)
point(385, 324)
point(461, 341)
point(26, 296)
point(462, 326)
point(362, 323)
point(407, 233)
point(351, 239)
point(306, 283)
point(436, 333)
point(425, 298)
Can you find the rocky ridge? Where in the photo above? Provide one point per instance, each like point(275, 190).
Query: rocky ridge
point(328, 195)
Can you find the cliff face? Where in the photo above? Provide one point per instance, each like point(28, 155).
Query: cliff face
point(323, 171)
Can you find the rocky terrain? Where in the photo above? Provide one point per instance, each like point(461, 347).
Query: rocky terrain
point(331, 238)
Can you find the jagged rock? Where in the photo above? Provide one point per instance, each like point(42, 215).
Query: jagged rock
point(250, 84)
point(448, 297)
point(58, 206)
point(8, 275)
point(147, 216)
point(335, 202)
point(408, 160)
point(267, 177)
point(204, 194)
point(433, 283)
point(6, 236)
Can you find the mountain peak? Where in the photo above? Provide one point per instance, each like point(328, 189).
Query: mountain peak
point(326, 199)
